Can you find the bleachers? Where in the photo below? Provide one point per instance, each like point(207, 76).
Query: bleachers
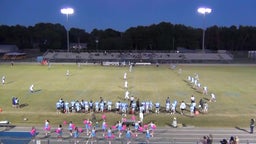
point(202, 56)
point(226, 56)
point(148, 57)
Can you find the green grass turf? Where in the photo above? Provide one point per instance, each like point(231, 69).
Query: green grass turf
point(234, 87)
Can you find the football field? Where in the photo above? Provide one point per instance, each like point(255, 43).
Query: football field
point(234, 86)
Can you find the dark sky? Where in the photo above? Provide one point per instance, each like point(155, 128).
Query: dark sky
point(123, 14)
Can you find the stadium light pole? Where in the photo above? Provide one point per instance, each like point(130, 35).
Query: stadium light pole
point(204, 11)
point(67, 12)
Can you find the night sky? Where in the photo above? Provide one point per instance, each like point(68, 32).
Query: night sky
point(123, 14)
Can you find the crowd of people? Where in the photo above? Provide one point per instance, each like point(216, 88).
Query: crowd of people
point(231, 140)
point(202, 106)
point(130, 104)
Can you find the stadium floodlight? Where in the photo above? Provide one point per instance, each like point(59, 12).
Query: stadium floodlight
point(67, 12)
point(204, 11)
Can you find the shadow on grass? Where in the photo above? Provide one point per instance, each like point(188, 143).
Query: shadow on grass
point(241, 129)
point(23, 105)
point(9, 82)
point(36, 91)
point(7, 127)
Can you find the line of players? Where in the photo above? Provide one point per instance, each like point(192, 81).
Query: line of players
point(119, 107)
point(194, 81)
point(101, 106)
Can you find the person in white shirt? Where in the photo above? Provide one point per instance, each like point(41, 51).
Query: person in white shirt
point(195, 83)
point(192, 99)
point(192, 80)
point(131, 100)
point(125, 76)
point(189, 78)
point(141, 116)
point(205, 90)
point(67, 73)
point(126, 95)
point(130, 69)
point(109, 105)
point(31, 88)
point(3, 80)
point(182, 107)
point(213, 97)
point(198, 86)
point(196, 76)
point(168, 105)
point(118, 106)
point(126, 84)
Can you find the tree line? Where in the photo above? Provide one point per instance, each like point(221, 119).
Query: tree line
point(162, 36)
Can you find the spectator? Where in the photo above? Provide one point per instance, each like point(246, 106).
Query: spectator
point(252, 125)
point(204, 140)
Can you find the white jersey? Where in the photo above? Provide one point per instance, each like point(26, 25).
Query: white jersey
point(130, 69)
point(31, 88)
point(3, 80)
point(126, 95)
point(189, 78)
point(182, 105)
point(125, 76)
point(126, 84)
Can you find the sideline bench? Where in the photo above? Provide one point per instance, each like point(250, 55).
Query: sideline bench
point(6, 124)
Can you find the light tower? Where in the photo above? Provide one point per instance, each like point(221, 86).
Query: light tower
point(67, 12)
point(204, 11)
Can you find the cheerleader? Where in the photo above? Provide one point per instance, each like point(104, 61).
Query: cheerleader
point(128, 135)
point(59, 132)
point(104, 127)
point(152, 128)
point(109, 135)
point(136, 127)
point(47, 127)
point(93, 134)
point(87, 124)
point(119, 128)
point(76, 135)
point(147, 135)
point(70, 128)
point(33, 132)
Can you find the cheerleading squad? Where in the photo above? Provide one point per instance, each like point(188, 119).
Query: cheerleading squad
point(120, 130)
